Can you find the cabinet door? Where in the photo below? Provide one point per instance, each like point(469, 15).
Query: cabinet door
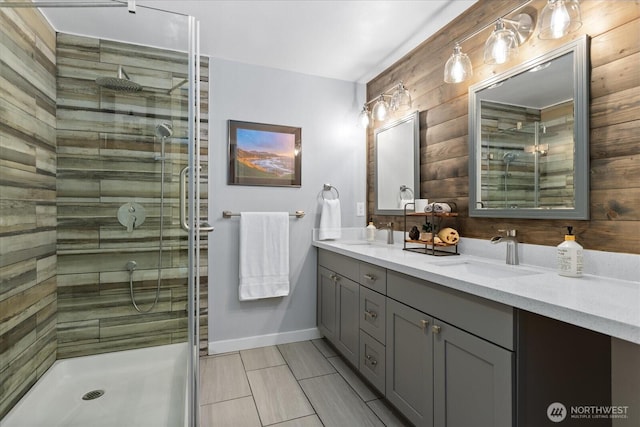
point(347, 322)
point(327, 303)
point(409, 370)
point(473, 380)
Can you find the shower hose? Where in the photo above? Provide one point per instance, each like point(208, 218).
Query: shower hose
point(131, 265)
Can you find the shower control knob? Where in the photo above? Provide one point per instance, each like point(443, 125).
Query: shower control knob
point(131, 215)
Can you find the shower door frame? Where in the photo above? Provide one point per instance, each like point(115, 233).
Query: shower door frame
point(195, 225)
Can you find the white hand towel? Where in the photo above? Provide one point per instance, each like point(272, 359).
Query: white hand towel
point(441, 208)
point(264, 255)
point(330, 224)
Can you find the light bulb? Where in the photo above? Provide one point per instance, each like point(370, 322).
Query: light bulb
point(559, 20)
point(380, 109)
point(364, 118)
point(458, 67)
point(501, 45)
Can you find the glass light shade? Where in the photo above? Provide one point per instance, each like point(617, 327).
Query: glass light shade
point(401, 99)
point(501, 45)
point(559, 18)
point(380, 109)
point(458, 67)
point(364, 118)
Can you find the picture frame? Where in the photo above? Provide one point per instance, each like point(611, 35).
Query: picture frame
point(264, 154)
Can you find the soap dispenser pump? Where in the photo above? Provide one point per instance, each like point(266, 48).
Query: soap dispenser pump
point(570, 256)
point(371, 231)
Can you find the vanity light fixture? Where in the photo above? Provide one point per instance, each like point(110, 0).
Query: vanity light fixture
point(458, 67)
point(559, 18)
point(500, 47)
point(380, 109)
point(401, 99)
point(364, 118)
point(396, 98)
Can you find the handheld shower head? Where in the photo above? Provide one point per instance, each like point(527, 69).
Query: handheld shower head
point(164, 130)
point(508, 157)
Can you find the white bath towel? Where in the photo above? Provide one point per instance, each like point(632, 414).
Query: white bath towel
point(330, 224)
point(264, 255)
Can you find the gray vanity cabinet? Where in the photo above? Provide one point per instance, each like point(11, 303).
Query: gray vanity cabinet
point(472, 380)
point(339, 303)
point(409, 359)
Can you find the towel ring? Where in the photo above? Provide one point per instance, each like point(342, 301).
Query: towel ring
point(329, 187)
point(405, 189)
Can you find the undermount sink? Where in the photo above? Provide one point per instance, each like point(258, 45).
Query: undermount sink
point(494, 271)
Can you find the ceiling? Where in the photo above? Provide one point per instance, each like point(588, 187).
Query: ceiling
point(346, 40)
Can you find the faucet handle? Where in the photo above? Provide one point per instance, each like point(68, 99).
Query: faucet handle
point(509, 233)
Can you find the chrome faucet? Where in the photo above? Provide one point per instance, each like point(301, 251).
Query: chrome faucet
point(389, 228)
point(512, 245)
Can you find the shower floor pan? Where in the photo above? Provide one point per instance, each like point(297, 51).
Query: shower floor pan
point(144, 387)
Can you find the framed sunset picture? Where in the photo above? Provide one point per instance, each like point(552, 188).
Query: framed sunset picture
point(262, 154)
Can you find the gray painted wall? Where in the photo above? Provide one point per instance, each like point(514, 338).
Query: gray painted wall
point(333, 151)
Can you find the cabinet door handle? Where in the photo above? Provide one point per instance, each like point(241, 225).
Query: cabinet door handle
point(436, 329)
point(371, 314)
point(424, 324)
point(370, 277)
point(372, 361)
point(334, 277)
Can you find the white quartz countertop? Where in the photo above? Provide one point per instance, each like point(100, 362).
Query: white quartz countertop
point(606, 305)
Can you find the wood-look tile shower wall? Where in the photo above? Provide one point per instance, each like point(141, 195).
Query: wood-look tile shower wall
point(109, 155)
point(27, 201)
point(614, 28)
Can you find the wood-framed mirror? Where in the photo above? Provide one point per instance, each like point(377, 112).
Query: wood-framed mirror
point(529, 138)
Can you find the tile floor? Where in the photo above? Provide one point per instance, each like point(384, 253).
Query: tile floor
point(291, 385)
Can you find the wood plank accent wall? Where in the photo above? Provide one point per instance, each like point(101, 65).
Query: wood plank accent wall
point(108, 155)
point(614, 28)
point(27, 202)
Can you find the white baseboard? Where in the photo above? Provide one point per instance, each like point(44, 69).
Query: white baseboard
point(225, 346)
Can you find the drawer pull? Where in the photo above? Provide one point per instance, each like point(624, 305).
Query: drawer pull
point(371, 314)
point(436, 329)
point(424, 324)
point(370, 277)
point(372, 361)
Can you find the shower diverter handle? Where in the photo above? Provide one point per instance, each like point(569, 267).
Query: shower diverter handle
point(204, 227)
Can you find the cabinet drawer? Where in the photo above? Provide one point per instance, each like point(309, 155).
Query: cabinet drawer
point(373, 277)
point(345, 266)
point(372, 313)
point(372, 361)
point(487, 319)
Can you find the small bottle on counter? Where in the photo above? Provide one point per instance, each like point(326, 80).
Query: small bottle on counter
point(570, 256)
point(371, 231)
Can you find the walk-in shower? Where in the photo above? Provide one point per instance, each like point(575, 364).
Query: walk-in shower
point(94, 263)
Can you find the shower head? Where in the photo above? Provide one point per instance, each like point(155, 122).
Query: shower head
point(508, 157)
point(164, 129)
point(122, 83)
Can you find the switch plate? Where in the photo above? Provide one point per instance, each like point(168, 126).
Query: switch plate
point(360, 209)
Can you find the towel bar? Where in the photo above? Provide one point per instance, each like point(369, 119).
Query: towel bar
point(229, 214)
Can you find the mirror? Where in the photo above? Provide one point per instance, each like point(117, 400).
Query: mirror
point(397, 165)
point(529, 139)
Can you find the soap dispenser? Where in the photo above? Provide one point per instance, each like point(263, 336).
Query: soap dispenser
point(570, 256)
point(371, 231)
